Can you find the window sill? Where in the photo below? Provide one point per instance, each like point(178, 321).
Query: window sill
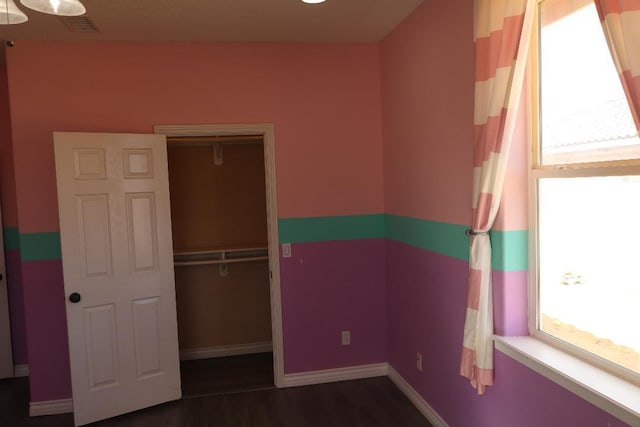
point(608, 392)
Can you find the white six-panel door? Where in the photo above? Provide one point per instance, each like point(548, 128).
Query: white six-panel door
point(117, 255)
point(6, 357)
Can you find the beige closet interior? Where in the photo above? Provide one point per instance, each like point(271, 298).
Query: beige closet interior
point(219, 224)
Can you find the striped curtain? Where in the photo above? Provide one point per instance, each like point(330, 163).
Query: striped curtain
point(621, 24)
point(502, 30)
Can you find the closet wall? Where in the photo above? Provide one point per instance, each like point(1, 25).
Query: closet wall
point(215, 207)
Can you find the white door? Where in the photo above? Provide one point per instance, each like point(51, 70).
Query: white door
point(117, 256)
point(6, 357)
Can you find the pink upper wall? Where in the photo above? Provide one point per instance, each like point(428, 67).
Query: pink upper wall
point(427, 92)
point(7, 181)
point(323, 99)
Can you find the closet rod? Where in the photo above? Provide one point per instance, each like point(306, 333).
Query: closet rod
point(218, 251)
point(220, 261)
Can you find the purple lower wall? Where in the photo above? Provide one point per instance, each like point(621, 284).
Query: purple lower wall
point(16, 307)
point(47, 343)
point(523, 398)
point(412, 302)
point(426, 300)
point(328, 287)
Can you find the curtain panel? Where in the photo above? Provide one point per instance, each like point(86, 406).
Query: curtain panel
point(502, 32)
point(621, 24)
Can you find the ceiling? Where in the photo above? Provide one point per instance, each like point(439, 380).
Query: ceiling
point(222, 20)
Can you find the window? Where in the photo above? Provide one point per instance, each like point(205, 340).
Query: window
point(586, 190)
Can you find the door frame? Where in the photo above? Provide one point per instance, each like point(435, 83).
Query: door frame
point(7, 369)
point(265, 130)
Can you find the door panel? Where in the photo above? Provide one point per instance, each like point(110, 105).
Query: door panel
point(117, 253)
point(102, 351)
point(95, 242)
point(141, 221)
point(146, 316)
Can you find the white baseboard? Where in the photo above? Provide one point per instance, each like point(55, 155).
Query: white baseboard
point(50, 407)
point(334, 375)
point(226, 350)
point(429, 413)
point(20, 371)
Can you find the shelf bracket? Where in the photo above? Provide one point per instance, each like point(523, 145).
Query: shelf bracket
point(223, 268)
point(217, 153)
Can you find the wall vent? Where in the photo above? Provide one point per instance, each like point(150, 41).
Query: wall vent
point(79, 24)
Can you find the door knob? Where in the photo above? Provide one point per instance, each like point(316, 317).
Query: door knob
point(75, 297)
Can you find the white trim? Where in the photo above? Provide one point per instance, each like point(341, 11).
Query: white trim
point(608, 392)
point(334, 375)
point(21, 370)
point(226, 350)
point(532, 287)
point(267, 132)
point(50, 407)
point(429, 413)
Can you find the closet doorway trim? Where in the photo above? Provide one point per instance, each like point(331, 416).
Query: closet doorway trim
point(264, 130)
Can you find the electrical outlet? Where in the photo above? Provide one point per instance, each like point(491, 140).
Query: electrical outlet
point(286, 250)
point(346, 337)
point(419, 361)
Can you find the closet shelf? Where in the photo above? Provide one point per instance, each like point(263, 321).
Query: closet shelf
point(218, 250)
point(220, 261)
point(219, 256)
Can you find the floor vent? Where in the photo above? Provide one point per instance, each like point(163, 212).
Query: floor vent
point(79, 24)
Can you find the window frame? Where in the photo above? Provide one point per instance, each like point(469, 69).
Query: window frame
point(572, 170)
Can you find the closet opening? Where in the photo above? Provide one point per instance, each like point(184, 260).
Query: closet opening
point(220, 226)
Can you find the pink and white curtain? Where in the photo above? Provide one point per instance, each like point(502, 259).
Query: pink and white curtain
point(621, 25)
point(502, 30)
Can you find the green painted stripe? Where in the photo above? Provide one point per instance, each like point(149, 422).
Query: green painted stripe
point(510, 250)
point(443, 238)
point(321, 229)
point(40, 246)
point(11, 238)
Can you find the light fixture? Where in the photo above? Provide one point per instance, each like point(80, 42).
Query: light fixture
point(313, 1)
point(56, 7)
point(10, 14)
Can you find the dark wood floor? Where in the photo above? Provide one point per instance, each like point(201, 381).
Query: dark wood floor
point(249, 399)
point(226, 375)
